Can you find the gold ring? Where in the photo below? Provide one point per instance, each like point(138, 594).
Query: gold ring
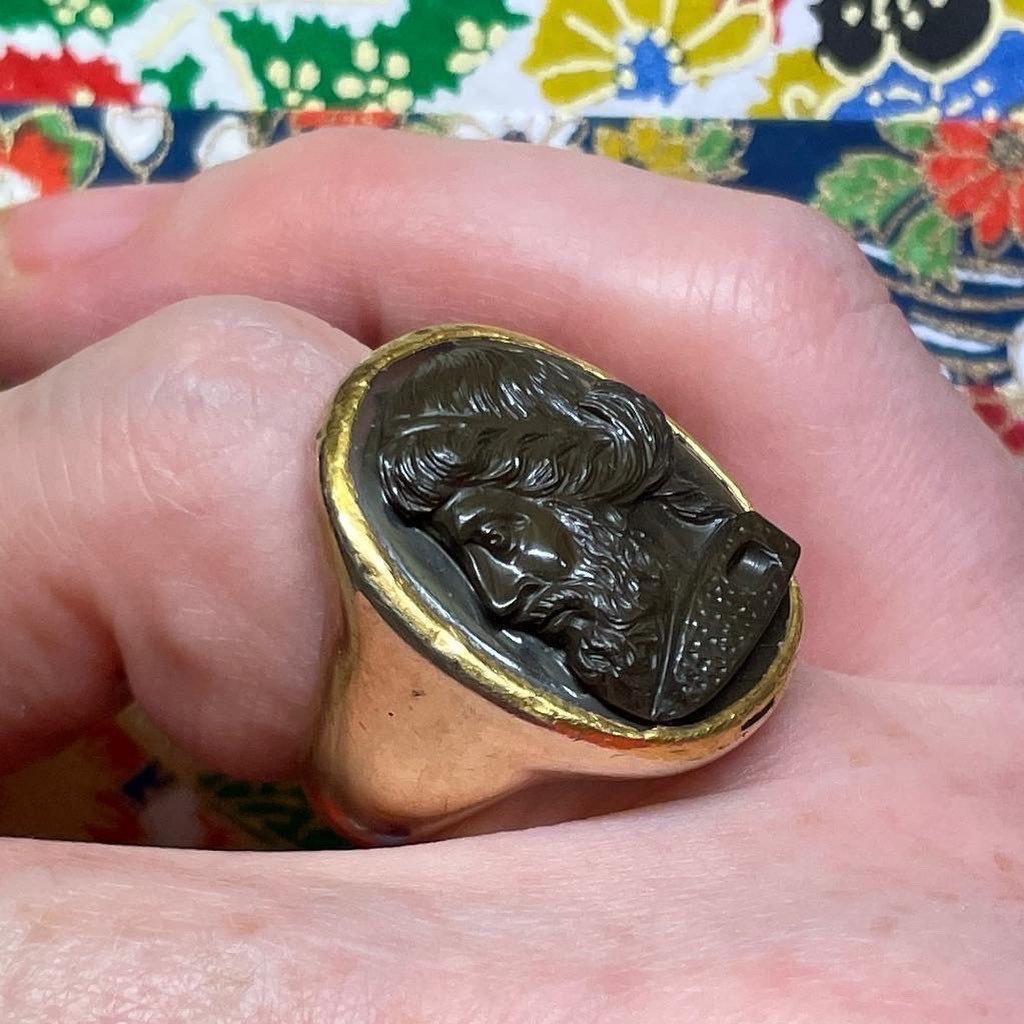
point(539, 575)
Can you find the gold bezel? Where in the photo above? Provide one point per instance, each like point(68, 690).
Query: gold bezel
point(477, 665)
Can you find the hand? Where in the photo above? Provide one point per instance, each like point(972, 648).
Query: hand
point(857, 861)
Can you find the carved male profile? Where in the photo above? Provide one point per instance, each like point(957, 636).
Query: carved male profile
point(579, 516)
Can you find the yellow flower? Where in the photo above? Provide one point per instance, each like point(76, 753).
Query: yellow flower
point(587, 51)
point(799, 87)
point(296, 83)
point(694, 150)
point(646, 144)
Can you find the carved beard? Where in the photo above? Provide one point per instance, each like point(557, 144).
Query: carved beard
point(601, 616)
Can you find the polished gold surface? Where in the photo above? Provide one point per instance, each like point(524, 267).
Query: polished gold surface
point(403, 749)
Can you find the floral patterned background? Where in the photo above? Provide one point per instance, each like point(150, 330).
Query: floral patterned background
point(902, 120)
point(846, 59)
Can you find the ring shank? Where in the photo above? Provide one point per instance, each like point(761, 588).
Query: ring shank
point(404, 751)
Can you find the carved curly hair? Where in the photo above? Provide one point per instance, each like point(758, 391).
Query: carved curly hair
point(495, 415)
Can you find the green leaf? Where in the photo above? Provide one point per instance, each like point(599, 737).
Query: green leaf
point(260, 42)
point(907, 136)
point(428, 35)
point(83, 155)
point(272, 812)
point(227, 789)
point(926, 247)
point(716, 150)
point(179, 80)
point(66, 16)
point(712, 151)
point(433, 46)
point(54, 124)
point(84, 150)
point(867, 189)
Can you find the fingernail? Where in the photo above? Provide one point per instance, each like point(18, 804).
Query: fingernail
point(68, 229)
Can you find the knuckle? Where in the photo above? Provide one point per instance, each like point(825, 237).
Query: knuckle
point(220, 319)
point(219, 389)
point(812, 279)
point(203, 446)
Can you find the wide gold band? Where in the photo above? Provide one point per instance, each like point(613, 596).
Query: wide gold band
point(409, 743)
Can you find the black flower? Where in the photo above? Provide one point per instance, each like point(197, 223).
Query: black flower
point(927, 34)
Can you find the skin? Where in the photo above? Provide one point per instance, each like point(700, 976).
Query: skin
point(859, 860)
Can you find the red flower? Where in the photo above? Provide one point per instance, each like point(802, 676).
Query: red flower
point(996, 412)
point(777, 8)
point(43, 152)
point(976, 170)
point(307, 120)
point(35, 157)
point(62, 79)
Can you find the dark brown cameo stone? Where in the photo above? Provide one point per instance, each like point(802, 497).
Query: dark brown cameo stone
point(559, 518)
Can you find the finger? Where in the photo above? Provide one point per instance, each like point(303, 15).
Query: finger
point(159, 521)
point(781, 905)
point(898, 725)
point(160, 524)
point(755, 323)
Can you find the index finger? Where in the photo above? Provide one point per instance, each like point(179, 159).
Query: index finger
point(753, 321)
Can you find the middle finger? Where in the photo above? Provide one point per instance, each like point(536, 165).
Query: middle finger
point(754, 322)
